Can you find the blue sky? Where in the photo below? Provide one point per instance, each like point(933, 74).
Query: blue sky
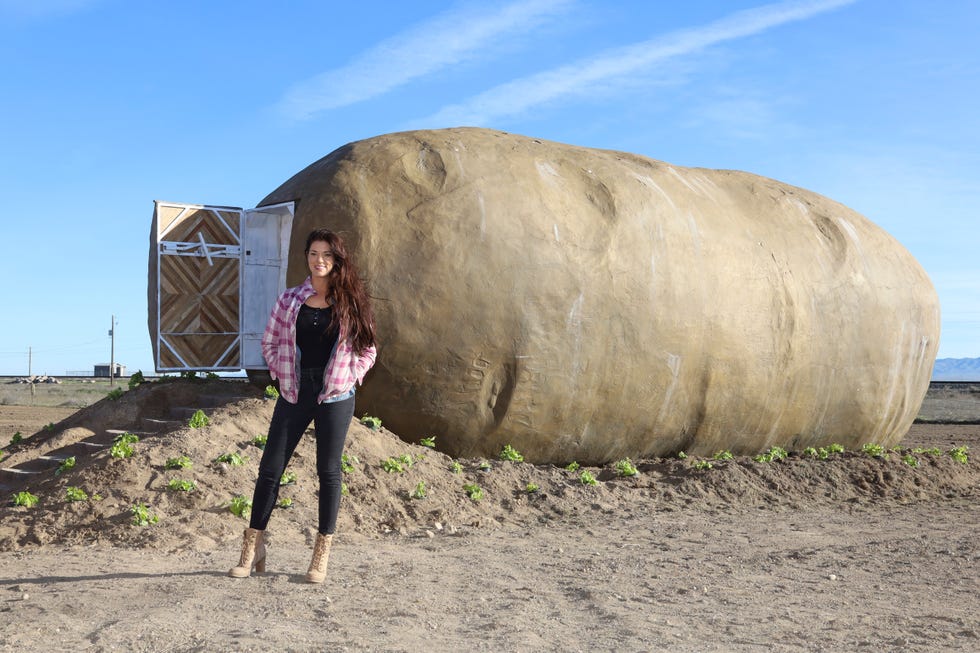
point(110, 104)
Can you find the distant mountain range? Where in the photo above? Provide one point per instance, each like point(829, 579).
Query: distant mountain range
point(956, 369)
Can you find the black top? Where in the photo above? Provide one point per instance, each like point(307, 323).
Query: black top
point(314, 336)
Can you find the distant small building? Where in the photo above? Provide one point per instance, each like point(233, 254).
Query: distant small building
point(102, 369)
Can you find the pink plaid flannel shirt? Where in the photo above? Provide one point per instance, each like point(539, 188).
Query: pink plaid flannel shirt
point(344, 369)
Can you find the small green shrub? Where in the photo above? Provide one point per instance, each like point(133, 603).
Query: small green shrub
point(586, 478)
point(959, 454)
point(910, 460)
point(240, 506)
point(287, 478)
point(73, 493)
point(512, 454)
point(392, 466)
point(25, 499)
point(180, 462)
point(835, 448)
point(419, 491)
point(127, 438)
point(344, 490)
point(136, 379)
point(234, 458)
point(702, 465)
point(681, 455)
point(934, 451)
point(531, 488)
point(142, 515)
point(428, 442)
point(406, 460)
point(473, 491)
point(66, 464)
point(810, 452)
point(114, 394)
point(198, 420)
point(723, 455)
point(16, 437)
point(373, 423)
point(271, 392)
point(260, 441)
point(775, 454)
point(572, 466)
point(181, 485)
point(625, 467)
point(483, 465)
point(121, 449)
point(872, 449)
point(287, 502)
point(455, 467)
point(348, 463)
point(211, 375)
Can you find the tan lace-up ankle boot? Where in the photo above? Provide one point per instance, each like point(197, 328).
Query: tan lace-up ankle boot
point(253, 554)
point(321, 553)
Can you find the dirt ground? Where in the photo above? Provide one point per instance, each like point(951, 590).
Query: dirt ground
point(851, 552)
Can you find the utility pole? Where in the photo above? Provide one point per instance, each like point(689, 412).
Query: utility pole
point(29, 356)
point(112, 351)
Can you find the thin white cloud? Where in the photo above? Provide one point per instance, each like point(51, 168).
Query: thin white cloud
point(520, 95)
point(446, 39)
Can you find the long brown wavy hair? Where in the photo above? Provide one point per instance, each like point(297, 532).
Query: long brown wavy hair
point(351, 305)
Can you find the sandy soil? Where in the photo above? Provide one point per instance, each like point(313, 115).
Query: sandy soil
point(854, 552)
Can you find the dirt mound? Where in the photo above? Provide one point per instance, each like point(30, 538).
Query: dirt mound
point(430, 494)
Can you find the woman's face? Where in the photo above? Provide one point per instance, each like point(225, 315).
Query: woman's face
point(319, 259)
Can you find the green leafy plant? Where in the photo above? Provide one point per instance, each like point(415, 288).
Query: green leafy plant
point(512, 454)
point(702, 464)
point(181, 485)
point(240, 506)
point(959, 454)
point(681, 455)
point(66, 464)
point(49, 426)
point(127, 438)
point(428, 442)
point(531, 488)
point(73, 493)
point(910, 460)
point(344, 490)
point(572, 466)
point(419, 491)
point(271, 392)
point(287, 478)
point(2, 454)
point(348, 463)
point(473, 491)
point(810, 452)
point(934, 451)
point(233, 458)
point(625, 467)
point(190, 375)
point(114, 394)
point(775, 454)
point(180, 462)
point(483, 465)
point(287, 502)
point(406, 460)
point(25, 499)
point(198, 420)
point(211, 375)
point(16, 437)
point(835, 448)
point(260, 441)
point(142, 515)
point(872, 449)
point(586, 478)
point(373, 423)
point(121, 449)
point(455, 467)
point(392, 466)
point(136, 379)
point(723, 455)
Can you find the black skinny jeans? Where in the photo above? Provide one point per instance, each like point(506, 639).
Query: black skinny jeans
point(289, 421)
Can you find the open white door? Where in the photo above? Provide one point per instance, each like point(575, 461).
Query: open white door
point(265, 258)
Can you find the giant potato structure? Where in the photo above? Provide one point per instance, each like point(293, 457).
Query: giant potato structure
point(589, 305)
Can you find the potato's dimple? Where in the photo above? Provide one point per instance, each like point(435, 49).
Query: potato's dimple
point(591, 305)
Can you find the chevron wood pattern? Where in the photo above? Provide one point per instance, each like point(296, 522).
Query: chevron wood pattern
point(200, 351)
point(203, 221)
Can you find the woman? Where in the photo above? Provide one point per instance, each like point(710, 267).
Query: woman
point(327, 324)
